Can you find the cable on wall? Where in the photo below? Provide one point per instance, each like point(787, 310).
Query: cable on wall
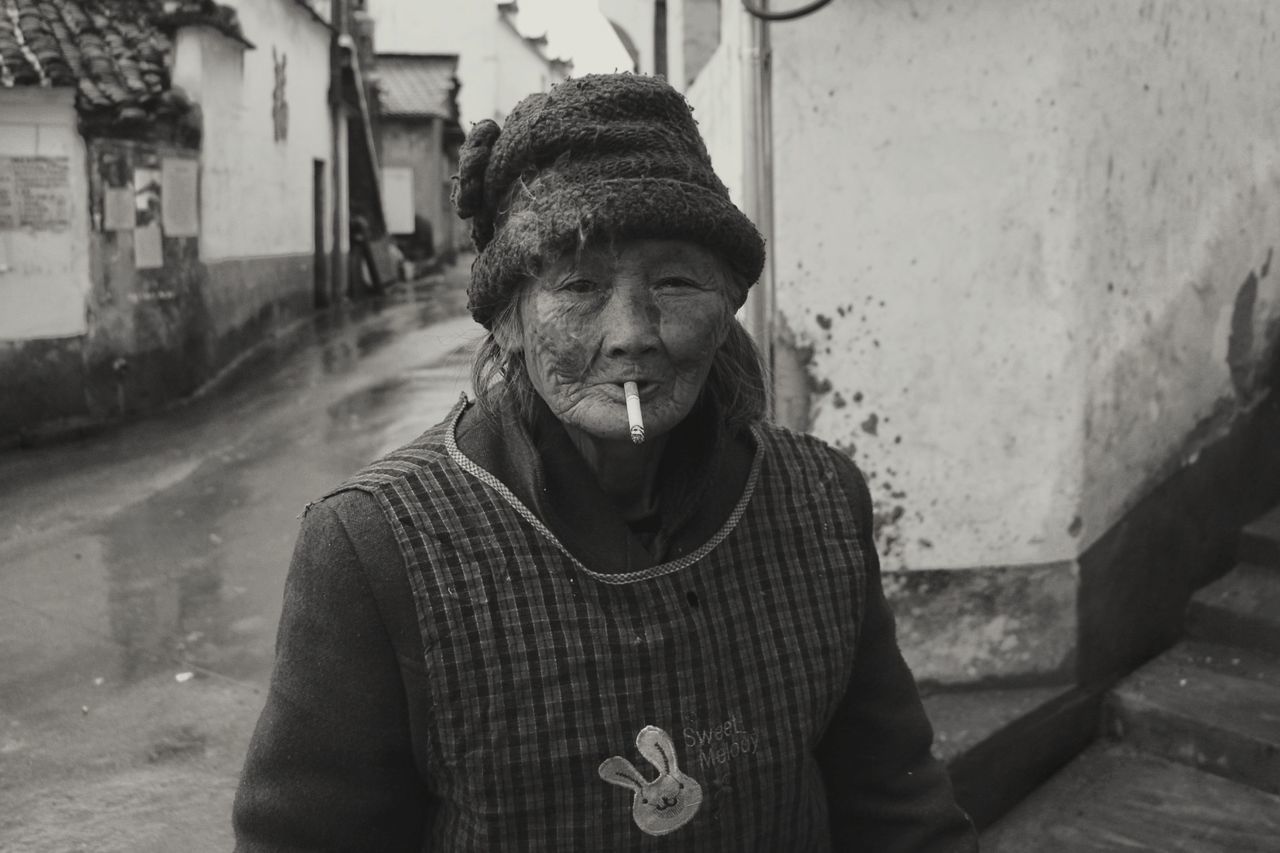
point(783, 14)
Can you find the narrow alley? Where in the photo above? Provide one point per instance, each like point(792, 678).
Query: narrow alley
point(142, 572)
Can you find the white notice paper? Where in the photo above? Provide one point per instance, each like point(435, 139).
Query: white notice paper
point(117, 209)
point(397, 199)
point(148, 247)
point(178, 204)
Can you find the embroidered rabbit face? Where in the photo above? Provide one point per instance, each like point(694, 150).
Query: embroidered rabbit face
point(666, 803)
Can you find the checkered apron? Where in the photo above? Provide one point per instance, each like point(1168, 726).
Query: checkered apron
point(541, 668)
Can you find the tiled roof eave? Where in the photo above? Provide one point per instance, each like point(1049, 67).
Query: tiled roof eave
point(226, 32)
point(316, 16)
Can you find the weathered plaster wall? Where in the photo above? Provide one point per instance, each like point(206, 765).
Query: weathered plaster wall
point(256, 187)
point(930, 279)
point(1024, 252)
point(1041, 266)
point(1175, 184)
point(44, 272)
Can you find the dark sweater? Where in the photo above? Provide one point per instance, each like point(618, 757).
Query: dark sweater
point(339, 761)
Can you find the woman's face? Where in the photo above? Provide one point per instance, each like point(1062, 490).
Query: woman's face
point(652, 311)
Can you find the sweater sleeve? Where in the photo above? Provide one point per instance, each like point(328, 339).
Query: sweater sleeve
point(886, 792)
point(330, 765)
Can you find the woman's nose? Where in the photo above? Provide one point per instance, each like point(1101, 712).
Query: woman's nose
point(630, 324)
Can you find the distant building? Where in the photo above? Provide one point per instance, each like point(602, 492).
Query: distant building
point(498, 64)
point(419, 137)
point(167, 196)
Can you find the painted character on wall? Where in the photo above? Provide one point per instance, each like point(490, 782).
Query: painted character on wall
point(279, 105)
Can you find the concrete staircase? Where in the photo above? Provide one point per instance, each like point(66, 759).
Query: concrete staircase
point(1191, 756)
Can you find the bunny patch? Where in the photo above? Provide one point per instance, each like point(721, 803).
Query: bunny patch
point(669, 801)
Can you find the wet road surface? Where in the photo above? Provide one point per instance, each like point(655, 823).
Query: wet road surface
point(142, 571)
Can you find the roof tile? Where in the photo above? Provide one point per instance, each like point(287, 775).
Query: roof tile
point(418, 86)
point(115, 53)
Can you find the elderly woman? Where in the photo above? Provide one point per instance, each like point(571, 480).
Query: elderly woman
point(605, 606)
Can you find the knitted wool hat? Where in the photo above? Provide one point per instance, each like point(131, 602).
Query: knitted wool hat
point(598, 157)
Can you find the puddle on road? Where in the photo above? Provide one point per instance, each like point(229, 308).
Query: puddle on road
point(191, 576)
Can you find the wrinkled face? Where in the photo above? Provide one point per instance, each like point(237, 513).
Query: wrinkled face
point(652, 311)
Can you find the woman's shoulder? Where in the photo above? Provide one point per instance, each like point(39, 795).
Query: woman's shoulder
point(804, 454)
point(427, 453)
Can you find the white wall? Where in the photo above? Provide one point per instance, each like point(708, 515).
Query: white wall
point(256, 192)
point(1175, 187)
point(716, 97)
point(44, 274)
point(1015, 235)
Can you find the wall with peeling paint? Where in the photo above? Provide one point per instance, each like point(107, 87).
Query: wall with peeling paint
point(96, 324)
point(929, 285)
point(252, 182)
point(1030, 286)
point(1176, 180)
point(44, 273)
point(1023, 252)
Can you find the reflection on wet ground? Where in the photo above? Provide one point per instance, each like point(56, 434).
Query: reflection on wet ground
point(141, 575)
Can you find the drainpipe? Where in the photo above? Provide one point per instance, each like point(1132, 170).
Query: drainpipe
point(757, 195)
point(341, 199)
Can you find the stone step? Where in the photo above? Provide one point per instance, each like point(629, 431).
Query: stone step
point(1241, 608)
point(1000, 743)
point(1229, 660)
point(1115, 798)
point(1203, 714)
point(1260, 541)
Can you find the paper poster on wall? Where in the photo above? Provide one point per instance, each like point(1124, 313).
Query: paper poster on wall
point(178, 203)
point(397, 199)
point(8, 197)
point(148, 247)
point(117, 192)
point(146, 189)
point(117, 209)
point(35, 193)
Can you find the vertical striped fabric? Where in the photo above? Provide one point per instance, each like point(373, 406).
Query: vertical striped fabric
point(541, 668)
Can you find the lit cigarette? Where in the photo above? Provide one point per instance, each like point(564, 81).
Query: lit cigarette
point(633, 412)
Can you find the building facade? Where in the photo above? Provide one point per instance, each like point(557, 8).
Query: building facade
point(170, 198)
point(498, 64)
point(419, 136)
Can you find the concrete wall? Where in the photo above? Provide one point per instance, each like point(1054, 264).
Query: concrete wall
point(44, 268)
point(1023, 252)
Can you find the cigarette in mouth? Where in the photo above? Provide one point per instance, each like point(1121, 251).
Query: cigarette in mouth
point(633, 412)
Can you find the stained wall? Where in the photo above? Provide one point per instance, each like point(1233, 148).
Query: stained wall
point(1022, 252)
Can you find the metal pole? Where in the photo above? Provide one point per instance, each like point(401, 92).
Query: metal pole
point(758, 181)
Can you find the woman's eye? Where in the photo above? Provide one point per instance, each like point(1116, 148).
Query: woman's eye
point(579, 285)
point(675, 283)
